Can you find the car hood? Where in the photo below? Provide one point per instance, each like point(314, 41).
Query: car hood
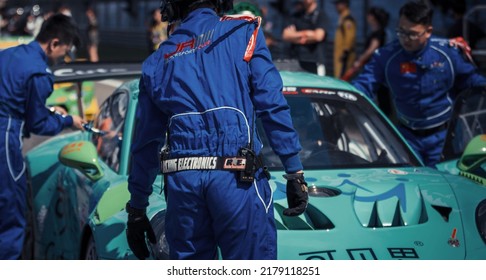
point(382, 197)
point(372, 209)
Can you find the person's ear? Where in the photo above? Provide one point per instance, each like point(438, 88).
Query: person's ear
point(429, 30)
point(54, 43)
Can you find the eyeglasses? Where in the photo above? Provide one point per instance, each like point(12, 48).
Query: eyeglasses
point(409, 35)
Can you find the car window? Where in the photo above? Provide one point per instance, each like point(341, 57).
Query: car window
point(341, 133)
point(111, 120)
point(468, 120)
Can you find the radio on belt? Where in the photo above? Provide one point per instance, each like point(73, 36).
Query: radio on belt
point(248, 174)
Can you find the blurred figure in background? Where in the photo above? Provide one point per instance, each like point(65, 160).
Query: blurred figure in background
point(377, 19)
point(157, 31)
point(306, 34)
point(93, 35)
point(475, 33)
point(345, 39)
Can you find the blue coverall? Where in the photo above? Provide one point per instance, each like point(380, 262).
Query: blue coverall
point(199, 87)
point(423, 86)
point(25, 84)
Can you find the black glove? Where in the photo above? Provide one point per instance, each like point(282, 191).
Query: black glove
point(137, 226)
point(297, 195)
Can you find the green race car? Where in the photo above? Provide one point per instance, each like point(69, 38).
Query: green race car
point(370, 197)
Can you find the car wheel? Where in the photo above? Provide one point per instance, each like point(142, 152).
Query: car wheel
point(90, 252)
point(159, 250)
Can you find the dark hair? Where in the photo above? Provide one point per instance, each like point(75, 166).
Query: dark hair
point(381, 15)
point(173, 10)
point(417, 12)
point(61, 27)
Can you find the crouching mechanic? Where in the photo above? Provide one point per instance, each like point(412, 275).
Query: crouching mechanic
point(25, 84)
point(201, 91)
point(424, 74)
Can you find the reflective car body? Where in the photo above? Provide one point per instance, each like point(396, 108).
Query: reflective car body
point(370, 197)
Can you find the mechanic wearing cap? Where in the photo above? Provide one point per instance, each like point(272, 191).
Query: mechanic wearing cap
point(25, 83)
point(202, 90)
point(306, 34)
point(424, 74)
point(344, 39)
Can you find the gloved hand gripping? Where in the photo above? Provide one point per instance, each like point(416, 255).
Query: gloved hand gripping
point(297, 194)
point(137, 226)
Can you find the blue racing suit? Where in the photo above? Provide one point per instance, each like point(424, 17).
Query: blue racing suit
point(423, 86)
point(199, 90)
point(25, 84)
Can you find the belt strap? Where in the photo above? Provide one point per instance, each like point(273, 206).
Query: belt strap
point(203, 163)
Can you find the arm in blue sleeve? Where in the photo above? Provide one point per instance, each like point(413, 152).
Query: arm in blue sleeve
point(466, 74)
point(372, 76)
point(148, 135)
point(272, 108)
point(39, 119)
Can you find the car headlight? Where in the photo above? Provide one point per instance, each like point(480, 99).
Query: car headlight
point(160, 250)
point(481, 219)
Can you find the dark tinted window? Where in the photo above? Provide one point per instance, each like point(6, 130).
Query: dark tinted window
point(340, 132)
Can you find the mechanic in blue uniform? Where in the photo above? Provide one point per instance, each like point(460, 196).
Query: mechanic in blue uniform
point(25, 84)
point(200, 93)
point(423, 74)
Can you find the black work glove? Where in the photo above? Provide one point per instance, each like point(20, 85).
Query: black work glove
point(137, 226)
point(297, 195)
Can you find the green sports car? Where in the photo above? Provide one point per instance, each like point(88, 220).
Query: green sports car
point(370, 197)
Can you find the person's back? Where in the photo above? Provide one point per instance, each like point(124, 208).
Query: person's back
point(206, 46)
point(203, 89)
point(20, 63)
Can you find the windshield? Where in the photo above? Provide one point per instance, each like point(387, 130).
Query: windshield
point(338, 132)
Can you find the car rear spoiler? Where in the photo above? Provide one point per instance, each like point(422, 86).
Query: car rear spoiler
point(76, 72)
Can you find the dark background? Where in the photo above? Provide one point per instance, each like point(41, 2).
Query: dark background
point(123, 23)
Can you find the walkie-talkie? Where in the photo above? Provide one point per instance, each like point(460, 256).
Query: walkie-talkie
point(248, 174)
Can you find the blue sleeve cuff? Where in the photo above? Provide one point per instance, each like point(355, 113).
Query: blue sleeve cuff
point(68, 121)
point(139, 202)
point(291, 163)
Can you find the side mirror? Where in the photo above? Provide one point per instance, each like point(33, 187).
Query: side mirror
point(82, 155)
point(473, 157)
